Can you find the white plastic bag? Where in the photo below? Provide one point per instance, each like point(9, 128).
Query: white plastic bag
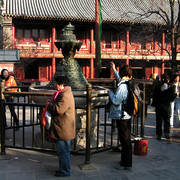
point(48, 118)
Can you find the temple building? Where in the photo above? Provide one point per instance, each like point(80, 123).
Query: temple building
point(33, 27)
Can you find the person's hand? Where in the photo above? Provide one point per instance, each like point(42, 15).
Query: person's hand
point(108, 90)
point(113, 66)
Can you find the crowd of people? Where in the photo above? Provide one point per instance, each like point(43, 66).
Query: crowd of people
point(165, 95)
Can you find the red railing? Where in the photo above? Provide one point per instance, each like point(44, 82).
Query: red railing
point(135, 49)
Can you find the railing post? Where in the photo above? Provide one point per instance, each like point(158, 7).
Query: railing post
point(143, 111)
point(2, 114)
point(88, 165)
point(113, 121)
point(88, 123)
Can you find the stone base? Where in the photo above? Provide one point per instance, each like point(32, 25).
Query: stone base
point(87, 167)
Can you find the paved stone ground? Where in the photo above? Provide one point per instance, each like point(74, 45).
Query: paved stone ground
point(161, 162)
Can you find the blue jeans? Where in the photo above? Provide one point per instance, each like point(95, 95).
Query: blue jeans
point(177, 110)
point(172, 114)
point(63, 151)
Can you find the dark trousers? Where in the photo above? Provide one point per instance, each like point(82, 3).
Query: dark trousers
point(162, 114)
point(12, 110)
point(124, 132)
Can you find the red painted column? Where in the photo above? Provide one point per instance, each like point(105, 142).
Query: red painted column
point(92, 52)
point(87, 71)
point(13, 37)
point(163, 44)
point(163, 67)
point(53, 50)
point(127, 47)
point(84, 70)
point(92, 41)
point(162, 53)
point(127, 61)
point(96, 40)
point(92, 68)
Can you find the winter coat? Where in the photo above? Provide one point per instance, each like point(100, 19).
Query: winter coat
point(63, 124)
point(117, 98)
point(163, 96)
point(11, 82)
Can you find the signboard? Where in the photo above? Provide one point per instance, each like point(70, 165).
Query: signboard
point(9, 56)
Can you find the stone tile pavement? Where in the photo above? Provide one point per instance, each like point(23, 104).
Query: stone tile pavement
point(161, 162)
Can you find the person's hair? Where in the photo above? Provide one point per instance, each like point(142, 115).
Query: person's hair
point(164, 78)
point(61, 79)
point(3, 72)
point(125, 71)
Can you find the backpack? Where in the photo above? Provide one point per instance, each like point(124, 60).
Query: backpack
point(132, 106)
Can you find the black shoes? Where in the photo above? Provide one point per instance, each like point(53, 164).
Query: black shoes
point(158, 137)
point(59, 174)
point(167, 136)
point(119, 167)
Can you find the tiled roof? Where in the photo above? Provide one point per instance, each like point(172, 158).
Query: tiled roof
point(82, 10)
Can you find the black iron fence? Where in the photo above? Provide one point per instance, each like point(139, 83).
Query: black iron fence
point(30, 134)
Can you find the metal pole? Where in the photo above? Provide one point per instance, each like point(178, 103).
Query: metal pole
point(2, 118)
point(88, 123)
point(143, 111)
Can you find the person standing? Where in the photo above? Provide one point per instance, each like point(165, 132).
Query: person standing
point(122, 118)
point(176, 103)
point(156, 83)
point(163, 95)
point(10, 81)
point(63, 124)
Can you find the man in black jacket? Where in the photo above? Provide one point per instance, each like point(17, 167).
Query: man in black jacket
point(162, 96)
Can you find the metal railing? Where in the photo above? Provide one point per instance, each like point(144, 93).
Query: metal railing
point(29, 115)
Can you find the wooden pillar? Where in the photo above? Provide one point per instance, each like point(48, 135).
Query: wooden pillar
point(92, 41)
point(53, 50)
point(163, 44)
point(127, 49)
point(92, 51)
point(87, 71)
point(163, 66)
point(96, 40)
point(13, 37)
point(92, 67)
point(127, 61)
point(162, 53)
point(84, 70)
point(53, 66)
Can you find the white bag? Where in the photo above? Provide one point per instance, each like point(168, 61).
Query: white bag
point(48, 118)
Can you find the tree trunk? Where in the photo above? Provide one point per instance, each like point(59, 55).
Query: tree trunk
point(173, 52)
